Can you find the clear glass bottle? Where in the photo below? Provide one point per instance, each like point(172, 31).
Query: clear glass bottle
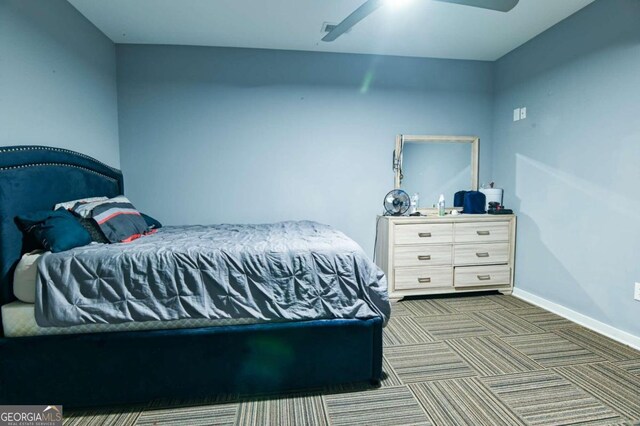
point(441, 211)
point(415, 202)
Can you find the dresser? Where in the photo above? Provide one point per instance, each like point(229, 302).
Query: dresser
point(452, 254)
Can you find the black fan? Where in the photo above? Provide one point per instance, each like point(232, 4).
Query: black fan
point(370, 6)
point(396, 202)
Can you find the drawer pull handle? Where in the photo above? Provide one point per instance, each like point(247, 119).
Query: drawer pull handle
point(483, 232)
point(424, 234)
point(425, 257)
point(484, 277)
point(424, 280)
point(485, 254)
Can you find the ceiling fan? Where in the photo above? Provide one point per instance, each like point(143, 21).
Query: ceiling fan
point(371, 6)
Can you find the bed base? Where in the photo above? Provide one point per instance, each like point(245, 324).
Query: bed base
point(136, 367)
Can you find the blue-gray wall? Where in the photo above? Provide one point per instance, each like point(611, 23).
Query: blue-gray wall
point(57, 80)
point(212, 135)
point(572, 168)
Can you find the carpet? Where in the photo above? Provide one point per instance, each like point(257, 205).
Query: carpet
point(470, 360)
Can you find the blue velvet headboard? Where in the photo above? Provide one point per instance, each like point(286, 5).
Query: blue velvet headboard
point(36, 178)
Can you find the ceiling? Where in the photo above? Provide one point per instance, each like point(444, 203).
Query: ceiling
point(421, 28)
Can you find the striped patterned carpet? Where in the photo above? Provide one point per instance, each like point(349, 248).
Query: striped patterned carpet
point(472, 360)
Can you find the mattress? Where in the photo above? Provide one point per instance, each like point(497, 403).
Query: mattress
point(18, 320)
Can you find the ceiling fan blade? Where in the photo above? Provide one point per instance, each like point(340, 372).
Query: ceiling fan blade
point(499, 5)
point(358, 15)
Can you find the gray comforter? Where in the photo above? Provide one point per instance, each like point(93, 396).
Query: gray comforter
point(286, 271)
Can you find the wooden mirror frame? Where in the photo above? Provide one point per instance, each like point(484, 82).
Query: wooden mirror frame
point(401, 139)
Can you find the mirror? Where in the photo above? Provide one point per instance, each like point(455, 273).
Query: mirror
point(434, 165)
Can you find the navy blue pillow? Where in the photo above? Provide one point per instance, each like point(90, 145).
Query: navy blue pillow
point(151, 222)
point(56, 231)
point(474, 203)
point(458, 198)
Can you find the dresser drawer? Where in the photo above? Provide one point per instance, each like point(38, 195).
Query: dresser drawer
point(423, 255)
point(481, 231)
point(424, 233)
point(470, 276)
point(475, 254)
point(423, 277)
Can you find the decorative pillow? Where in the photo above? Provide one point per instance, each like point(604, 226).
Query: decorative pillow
point(151, 222)
point(94, 230)
point(117, 218)
point(85, 209)
point(55, 230)
point(68, 205)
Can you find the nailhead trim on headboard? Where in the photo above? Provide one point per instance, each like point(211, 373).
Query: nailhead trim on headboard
point(47, 148)
point(24, 166)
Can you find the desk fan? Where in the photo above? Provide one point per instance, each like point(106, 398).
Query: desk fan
point(396, 203)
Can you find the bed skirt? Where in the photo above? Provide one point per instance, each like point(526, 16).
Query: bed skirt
point(136, 367)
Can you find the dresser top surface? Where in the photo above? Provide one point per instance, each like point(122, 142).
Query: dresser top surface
point(449, 218)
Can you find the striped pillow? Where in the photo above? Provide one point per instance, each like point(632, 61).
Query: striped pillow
point(69, 205)
point(117, 218)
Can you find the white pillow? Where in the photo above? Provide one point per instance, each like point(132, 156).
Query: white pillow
point(24, 278)
point(68, 204)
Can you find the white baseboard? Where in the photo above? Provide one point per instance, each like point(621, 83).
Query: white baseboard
point(585, 321)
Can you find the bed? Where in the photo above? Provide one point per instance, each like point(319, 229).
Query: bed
point(89, 367)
